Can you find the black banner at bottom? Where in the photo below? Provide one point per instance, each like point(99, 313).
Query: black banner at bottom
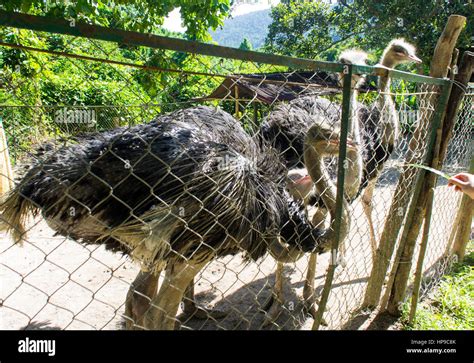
point(237, 345)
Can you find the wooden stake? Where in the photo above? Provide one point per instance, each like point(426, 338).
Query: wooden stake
point(393, 224)
point(466, 69)
point(440, 66)
point(465, 213)
point(6, 172)
point(445, 46)
point(421, 257)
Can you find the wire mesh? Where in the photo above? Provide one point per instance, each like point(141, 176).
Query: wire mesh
point(439, 259)
point(124, 157)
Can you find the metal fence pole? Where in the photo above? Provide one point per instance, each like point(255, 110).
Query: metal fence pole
point(340, 203)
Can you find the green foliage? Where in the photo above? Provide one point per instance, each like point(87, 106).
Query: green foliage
point(300, 29)
point(44, 83)
point(451, 307)
point(138, 15)
point(420, 22)
point(246, 45)
point(315, 30)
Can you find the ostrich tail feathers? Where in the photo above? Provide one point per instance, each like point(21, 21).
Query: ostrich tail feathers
point(148, 237)
point(14, 210)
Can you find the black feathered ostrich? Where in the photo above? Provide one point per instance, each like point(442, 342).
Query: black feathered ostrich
point(174, 194)
point(374, 131)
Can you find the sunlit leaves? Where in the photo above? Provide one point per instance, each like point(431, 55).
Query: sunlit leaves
point(140, 15)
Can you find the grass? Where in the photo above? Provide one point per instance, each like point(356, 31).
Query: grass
point(452, 305)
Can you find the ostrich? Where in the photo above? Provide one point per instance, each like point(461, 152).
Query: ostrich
point(284, 129)
point(168, 193)
point(381, 128)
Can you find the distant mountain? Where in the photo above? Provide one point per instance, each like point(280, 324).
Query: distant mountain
point(253, 26)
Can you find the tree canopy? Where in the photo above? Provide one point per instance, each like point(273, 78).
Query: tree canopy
point(140, 15)
point(317, 30)
point(246, 44)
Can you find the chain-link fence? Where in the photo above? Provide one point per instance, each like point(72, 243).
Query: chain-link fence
point(439, 260)
point(166, 195)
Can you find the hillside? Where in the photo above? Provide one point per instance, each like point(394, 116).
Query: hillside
point(252, 26)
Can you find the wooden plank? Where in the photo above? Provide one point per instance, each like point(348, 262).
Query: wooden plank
point(6, 172)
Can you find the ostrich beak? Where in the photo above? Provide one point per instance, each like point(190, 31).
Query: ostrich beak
point(414, 58)
point(303, 180)
point(351, 145)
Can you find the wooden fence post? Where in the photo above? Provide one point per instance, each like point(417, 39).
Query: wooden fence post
point(465, 213)
point(402, 268)
point(388, 239)
point(421, 258)
point(6, 173)
point(461, 226)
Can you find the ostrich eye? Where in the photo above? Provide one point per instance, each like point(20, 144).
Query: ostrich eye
point(399, 49)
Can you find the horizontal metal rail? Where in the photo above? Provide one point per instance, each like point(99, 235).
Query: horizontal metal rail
point(393, 73)
point(80, 29)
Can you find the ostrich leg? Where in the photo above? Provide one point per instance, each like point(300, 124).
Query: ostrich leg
point(367, 205)
point(275, 303)
point(310, 301)
point(282, 255)
point(192, 310)
point(139, 296)
point(309, 295)
point(164, 306)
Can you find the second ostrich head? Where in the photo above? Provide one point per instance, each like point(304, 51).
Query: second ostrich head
point(399, 51)
point(299, 183)
point(325, 139)
point(356, 57)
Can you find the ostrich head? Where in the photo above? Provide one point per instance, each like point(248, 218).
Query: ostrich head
point(357, 57)
point(397, 52)
point(299, 183)
point(325, 140)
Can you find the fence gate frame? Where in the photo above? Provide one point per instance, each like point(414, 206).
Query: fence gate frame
point(79, 29)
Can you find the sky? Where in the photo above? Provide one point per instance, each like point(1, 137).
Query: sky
point(173, 20)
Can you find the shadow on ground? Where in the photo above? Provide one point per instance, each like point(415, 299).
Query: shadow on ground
point(40, 325)
point(245, 308)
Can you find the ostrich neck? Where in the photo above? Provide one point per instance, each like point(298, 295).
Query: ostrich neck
point(326, 189)
point(354, 131)
point(320, 176)
point(354, 170)
point(389, 117)
point(353, 176)
point(384, 83)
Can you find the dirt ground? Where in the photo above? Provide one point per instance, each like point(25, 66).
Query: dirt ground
point(55, 283)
